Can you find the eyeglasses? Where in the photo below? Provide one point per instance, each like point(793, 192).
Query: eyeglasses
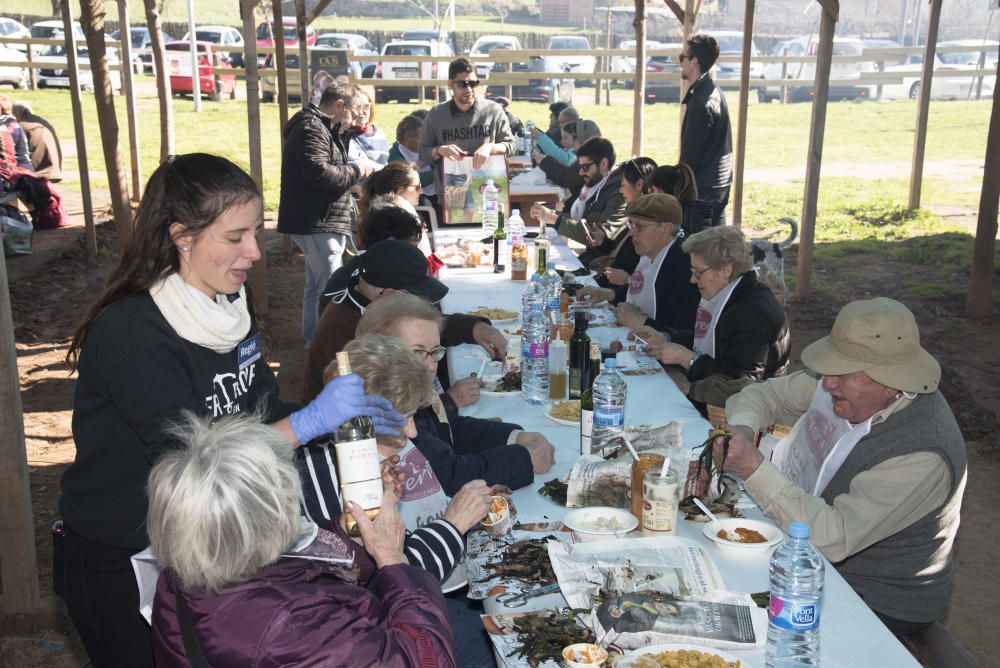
point(585, 167)
point(698, 273)
point(436, 353)
point(416, 186)
point(466, 83)
point(639, 227)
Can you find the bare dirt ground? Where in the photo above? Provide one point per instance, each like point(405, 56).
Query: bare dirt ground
point(51, 288)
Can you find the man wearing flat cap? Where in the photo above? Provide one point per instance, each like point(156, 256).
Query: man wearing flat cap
point(875, 462)
point(659, 292)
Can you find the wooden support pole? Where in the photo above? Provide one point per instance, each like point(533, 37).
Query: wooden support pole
point(638, 94)
point(979, 303)
point(258, 275)
point(90, 232)
point(18, 561)
point(741, 124)
point(305, 80)
point(814, 159)
point(279, 61)
point(130, 109)
point(924, 105)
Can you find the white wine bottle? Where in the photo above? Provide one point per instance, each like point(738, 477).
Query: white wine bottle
point(357, 461)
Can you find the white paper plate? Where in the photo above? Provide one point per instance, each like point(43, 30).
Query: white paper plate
point(629, 659)
point(766, 529)
point(568, 423)
point(583, 520)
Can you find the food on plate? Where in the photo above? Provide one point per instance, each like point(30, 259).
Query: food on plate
point(602, 523)
point(509, 382)
point(687, 658)
point(493, 313)
point(585, 654)
point(745, 536)
point(565, 410)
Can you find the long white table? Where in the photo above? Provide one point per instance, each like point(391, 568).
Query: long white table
point(850, 634)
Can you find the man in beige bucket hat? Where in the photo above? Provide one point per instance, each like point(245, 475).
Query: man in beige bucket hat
point(875, 462)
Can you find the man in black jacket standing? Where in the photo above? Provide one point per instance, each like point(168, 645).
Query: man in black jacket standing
point(706, 134)
point(316, 206)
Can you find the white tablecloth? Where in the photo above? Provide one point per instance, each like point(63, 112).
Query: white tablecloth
point(850, 634)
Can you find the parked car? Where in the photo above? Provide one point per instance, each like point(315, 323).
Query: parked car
point(806, 47)
point(429, 34)
point(546, 88)
point(212, 85)
point(54, 72)
point(9, 28)
point(12, 74)
point(487, 43)
point(142, 47)
point(412, 70)
point(664, 91)
point(971, 57)
point(265, 35)
point(943, 87)
point(222, 36)
point(626, 64)
point(731, 44)
point(324, 58)
point(52, 30)
point(365, 55)
point(556, 63)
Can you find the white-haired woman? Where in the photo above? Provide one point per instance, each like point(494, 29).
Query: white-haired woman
point(740, 333)
point(239, 591)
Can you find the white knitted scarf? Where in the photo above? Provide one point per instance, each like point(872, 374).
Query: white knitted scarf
point(218, 324)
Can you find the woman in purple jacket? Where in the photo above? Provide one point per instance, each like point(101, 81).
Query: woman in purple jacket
point(244, 588)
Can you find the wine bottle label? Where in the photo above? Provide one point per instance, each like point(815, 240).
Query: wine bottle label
point(586, 429)
point(366, 494)
point(574, 383)
point(357, 461)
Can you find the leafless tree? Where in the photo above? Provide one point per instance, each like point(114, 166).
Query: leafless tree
point(163, 92)
point(92, 21)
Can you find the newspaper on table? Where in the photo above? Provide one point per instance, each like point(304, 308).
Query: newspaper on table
point(514, 562)
point(536, 637)
point(658, 590)
point(594, 481)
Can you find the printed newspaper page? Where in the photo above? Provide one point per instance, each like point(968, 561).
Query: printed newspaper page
point(658, 590)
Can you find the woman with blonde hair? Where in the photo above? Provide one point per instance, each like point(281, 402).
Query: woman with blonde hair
point(245, 586)
point(740, 334)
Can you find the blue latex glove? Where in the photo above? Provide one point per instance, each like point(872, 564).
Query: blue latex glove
point(342, 399)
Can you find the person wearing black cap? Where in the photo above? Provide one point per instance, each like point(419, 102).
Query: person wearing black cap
point(516, 126)
point(386, 267)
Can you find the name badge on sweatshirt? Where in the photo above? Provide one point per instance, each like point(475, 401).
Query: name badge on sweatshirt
point(249, 351)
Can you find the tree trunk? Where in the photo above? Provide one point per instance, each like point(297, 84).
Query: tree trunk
point(979, 303)
point(163, 91)
point(639, 89)
point(92, 22)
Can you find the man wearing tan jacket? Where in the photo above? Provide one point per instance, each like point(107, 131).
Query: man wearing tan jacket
point(43, 144)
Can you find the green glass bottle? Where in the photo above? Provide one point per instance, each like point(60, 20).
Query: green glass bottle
point(587, 400)
point(500, 246)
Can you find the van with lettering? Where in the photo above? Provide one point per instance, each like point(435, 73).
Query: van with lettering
point(436, 69)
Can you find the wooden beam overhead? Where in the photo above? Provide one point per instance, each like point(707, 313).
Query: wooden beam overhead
point(317, 10)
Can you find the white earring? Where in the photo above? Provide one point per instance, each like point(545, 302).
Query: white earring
point(185, 248)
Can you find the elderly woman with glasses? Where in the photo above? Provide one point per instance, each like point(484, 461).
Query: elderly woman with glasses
point(245, 586)
point(459, 448)
point(659, 293)
point(740, 334)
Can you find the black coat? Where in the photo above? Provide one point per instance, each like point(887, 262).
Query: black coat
point(315, 177)
point(471, 449)
point(707, 137)
point(751, 339)
point(677, 298)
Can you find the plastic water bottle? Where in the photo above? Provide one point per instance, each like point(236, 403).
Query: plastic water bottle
point(535, 347)
point(528, 140)
point(609, 405)
point(491, 208)
point(533, 294)
point(797, 570)
point(515, 227)
point(553, 287)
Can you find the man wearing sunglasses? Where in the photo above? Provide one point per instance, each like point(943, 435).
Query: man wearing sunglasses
point(706, 134)
point(465, 125)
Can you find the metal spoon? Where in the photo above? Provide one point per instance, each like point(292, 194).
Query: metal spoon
point(715, 520)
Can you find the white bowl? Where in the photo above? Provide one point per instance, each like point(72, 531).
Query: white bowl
point(593, 523)
point(772, 533)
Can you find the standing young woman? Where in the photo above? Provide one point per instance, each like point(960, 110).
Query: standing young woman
point(172, 331)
